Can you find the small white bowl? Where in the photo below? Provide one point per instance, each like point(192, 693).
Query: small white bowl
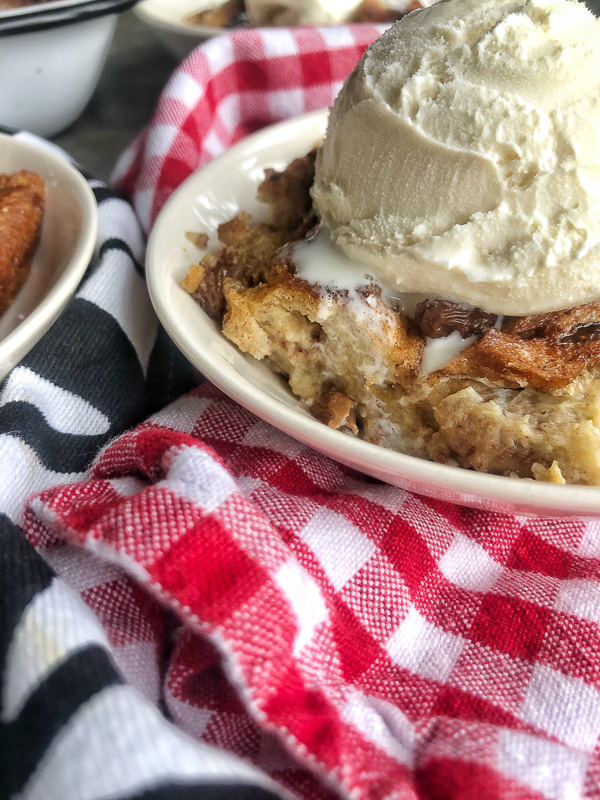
point(51, 57)
point(69, 233)
point(166, 19)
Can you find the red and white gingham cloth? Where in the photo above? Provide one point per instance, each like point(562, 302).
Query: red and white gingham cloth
point(228, 89)
point(349, 638)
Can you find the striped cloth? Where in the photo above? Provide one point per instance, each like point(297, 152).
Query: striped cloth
point(80, 699)
point(308, 632)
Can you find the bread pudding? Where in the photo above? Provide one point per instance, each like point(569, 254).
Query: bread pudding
point(517, 396)
point(22, 197)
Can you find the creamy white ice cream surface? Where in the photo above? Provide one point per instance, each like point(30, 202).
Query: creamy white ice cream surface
point(462, 157)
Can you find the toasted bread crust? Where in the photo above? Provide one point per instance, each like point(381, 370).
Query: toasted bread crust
point(21, 211)
point(508, 360)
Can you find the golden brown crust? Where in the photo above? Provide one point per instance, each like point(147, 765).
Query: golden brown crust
point(21, 211)
point(287, 193)
point(249, 249)
point(541, 351)
point(558, 326)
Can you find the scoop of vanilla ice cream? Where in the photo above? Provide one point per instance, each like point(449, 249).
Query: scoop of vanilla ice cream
point(300, 12)
point(462, 156)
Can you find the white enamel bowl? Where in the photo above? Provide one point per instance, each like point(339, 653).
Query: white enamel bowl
point(69, 234)
point(51, 58)
point(214, 194)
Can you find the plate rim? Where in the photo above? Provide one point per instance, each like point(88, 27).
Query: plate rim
point(38, 321)
point(486, 489)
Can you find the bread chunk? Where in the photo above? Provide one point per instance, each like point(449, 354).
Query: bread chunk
point(21, 211)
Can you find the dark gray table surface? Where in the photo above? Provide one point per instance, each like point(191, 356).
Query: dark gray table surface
point(135, 73)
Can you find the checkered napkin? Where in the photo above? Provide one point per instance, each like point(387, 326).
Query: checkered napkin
point(337, 637)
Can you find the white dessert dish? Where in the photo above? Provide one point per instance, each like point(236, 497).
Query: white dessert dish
point(166, 20)
point(52, 58)
point(69, 233)
point(213, 195)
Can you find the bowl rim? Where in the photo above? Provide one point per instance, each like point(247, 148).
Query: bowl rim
point(57, 13)
point(180, 27)
point(549, 500)
point(48, 309)
point(192, 32)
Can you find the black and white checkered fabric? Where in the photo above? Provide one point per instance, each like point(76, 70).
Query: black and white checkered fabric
point(71, 727)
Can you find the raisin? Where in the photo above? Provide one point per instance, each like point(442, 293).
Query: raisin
point(437, 318)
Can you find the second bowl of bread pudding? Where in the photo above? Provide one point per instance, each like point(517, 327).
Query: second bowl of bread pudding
point(181, 25)
point(48, 230)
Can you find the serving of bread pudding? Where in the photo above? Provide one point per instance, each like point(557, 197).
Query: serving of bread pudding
point(521, 399)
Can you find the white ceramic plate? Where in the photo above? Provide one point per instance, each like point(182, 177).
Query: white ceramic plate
point(166, 19)
point(213, 195)
point(69, 233)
